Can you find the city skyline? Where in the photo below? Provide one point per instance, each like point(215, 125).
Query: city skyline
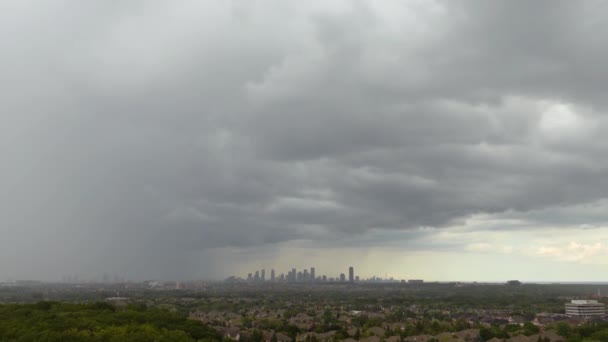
point(304, 275)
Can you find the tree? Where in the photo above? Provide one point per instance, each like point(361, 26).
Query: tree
point(601, 335)
point(435, 327)
point(563, 329)
point(530, 329)
point(256, 336)
point(486, 334)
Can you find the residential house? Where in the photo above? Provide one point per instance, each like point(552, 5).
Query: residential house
point(370, 339)
point(468, 335)
point(377, 331)
point(419, 338)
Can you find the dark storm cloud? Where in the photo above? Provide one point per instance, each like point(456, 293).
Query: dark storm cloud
point(149, 130)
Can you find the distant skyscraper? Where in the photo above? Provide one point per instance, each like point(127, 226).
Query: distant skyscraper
point(263, 274)
point(272, 274)
point(312, 273)
point(293, 274)
point(351, 274)
point(249, 277)
point(257, 276)
point(342, 277)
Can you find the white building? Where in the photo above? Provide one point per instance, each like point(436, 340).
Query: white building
point(585, 308)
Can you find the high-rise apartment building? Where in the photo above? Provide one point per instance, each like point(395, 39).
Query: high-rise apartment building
point(312, 273)
point(351, 274)
point(263, 274)
point(272, 275)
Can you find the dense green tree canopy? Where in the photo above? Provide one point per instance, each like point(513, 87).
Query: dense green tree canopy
point(52, 321)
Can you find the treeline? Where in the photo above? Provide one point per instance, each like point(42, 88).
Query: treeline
point(506, 331)
point(53, 321)
point(591, 331)
point(587, 332)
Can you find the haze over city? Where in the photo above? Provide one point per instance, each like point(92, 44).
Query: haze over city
point(435, 140)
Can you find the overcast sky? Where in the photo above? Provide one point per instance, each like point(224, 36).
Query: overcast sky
point(444, 140)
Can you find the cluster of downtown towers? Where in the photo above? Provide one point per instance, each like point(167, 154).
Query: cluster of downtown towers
point(305, 275)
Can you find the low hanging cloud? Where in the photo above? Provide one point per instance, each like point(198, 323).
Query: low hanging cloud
point(148, 131)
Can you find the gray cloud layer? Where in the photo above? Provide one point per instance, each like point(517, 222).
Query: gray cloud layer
point(133, 135)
